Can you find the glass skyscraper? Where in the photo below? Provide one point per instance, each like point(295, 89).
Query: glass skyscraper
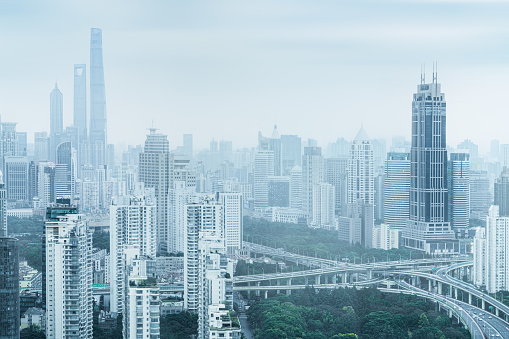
point(97, 99)
point(428, 228)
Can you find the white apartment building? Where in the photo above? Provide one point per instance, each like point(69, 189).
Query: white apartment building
point(232, 220)
point(480, 257)
point(385, 237)
point(132, 234)
point(324, 197)
point(178, 197)
point(296, 187)
point(287, 215)
point(68, 278)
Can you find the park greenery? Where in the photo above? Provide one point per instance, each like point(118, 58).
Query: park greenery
point(350, 313)
point(179, 326)
point(314, 242)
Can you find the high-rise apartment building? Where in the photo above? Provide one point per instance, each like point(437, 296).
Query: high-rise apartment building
point(178, 197)
point(480, 194)
point(205, 217)
point(312, 174)
point(275, 146)
point(132, 234)
point(9, 288)
point(3, 209)
point(336, 174)
point(98, 126)
point(232, 220)
point(396, 189)
point(501, 189)
point(65, 170)
point(458, 173)
point(490, 252)
point(263, 168)
point(296, 187)
point(361, 170)
point(428, 228)
point(323, 216)
point(56, 120)
point(156, 170)
point(68, 250)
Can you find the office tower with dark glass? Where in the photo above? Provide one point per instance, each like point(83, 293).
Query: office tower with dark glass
point(97, 99)
point(428, 228)
point(9, 288)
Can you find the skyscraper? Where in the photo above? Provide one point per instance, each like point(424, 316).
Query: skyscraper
point(56, 126)
point(187, 147)
point(3, 208)
point(156, 170)
point(80, 101)
point(9, 288)
point(397, 189)
point(132, 234)
point(336, 175)
point(98, 137)
point(428, 228)
point(291, 152)
point(501, 188)
point(16, 179)
point(296, 187)
point(232, 220)
point(65, 171)
point(312, 174)
point(458, 174)
point(323, 206)
point(263, 168)
point(275, 146)
point(68, 278)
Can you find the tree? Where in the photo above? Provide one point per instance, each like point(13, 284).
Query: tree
point(32, 332)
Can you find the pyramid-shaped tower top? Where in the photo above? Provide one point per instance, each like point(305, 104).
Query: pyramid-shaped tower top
point(275, 133)
point(361, 135)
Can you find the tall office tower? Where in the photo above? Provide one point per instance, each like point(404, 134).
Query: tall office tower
point(312, 174)
point(397, 190)
point(361, 170)
point(16, 179)
point(56, 112)
point(232, 220)
point(132, 234)
point(141, 315)
point(188, 145)
point(61, 208)
point(501, 188)
point(323, 206)
point(9, 140)
point(338, 149)
point(178, 197)
point(275, 146)
point(495, 149)
point(357, 225)
point(336, 175)
point(379, 191)
point(296, 187)
point(215, 286)
point(480, 195)
point(42, 183)
point(504, 155)
point(213, 146)
point(21, 140)
point(156, 170)
point(428, 228)
point(204, 217)
point(379, 147)
point(65, 171)
point(80, 101)
point(473, 149)
point(263, 168)
point(98, 127)
point(279, 191)
point(9, 288)
point(68, 278)
point(41, 146)
point(291, 152)
point(459, 193)
point(496, 260)
point(479, 271)
point(3, 208)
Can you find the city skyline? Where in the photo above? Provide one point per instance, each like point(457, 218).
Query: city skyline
point(254, 64)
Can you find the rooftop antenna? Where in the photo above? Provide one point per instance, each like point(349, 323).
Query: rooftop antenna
point(422, 74)
point(436, 72)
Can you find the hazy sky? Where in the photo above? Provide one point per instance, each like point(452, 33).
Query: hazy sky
point(226, 69)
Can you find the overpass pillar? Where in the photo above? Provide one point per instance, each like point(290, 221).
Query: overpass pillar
point(450, 313)
point(455, 293)
point(483, 304)
point(326, 279)
point(470, 298)
point(497, 312)
point(439, 287)
point(345, 277)
point(258, 290)
point(266, 292)
point(306, 281)
point(289, 291)
point(429, 286)
point(317, 280)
